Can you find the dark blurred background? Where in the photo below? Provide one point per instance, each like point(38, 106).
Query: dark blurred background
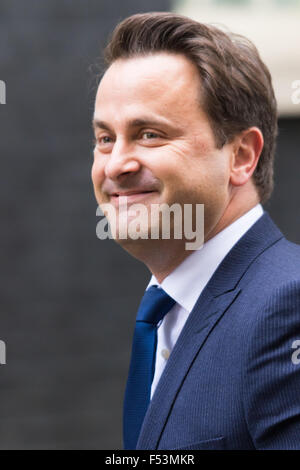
point(68, 300)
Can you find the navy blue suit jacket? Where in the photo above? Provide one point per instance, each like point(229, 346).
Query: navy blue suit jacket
point(230, 381)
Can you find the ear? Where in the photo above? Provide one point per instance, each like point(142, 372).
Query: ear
point(246, 152)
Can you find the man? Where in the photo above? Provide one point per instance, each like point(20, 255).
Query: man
point(186, 114)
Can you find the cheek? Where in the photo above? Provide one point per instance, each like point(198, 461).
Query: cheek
point(97, 171)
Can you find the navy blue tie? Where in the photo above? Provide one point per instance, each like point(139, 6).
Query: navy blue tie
point(153, 307)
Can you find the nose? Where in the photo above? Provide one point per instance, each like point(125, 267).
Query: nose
point(122, 161)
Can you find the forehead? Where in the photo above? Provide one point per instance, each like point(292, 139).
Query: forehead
point(163, 82)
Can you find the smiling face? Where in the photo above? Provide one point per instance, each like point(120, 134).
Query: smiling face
point(154, 143)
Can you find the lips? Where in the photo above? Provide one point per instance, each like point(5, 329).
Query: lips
point(130, 193)
point(130, 196)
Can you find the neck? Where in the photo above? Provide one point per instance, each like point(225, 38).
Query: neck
point(162, 265)
point(160, 256)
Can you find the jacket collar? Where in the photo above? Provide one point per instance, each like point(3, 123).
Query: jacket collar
point(187, 281)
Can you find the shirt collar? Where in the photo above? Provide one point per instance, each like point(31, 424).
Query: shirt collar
point(188, 280)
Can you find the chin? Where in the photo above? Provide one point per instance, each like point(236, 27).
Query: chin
point(139, 248)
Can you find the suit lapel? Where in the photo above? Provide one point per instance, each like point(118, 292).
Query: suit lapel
point(221, 291)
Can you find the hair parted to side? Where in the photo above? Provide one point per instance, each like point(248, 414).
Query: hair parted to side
point(236, 91)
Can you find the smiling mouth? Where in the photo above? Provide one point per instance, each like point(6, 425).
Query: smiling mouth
point(130, 196)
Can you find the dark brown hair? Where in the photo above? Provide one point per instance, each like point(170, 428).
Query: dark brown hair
point(237, 90)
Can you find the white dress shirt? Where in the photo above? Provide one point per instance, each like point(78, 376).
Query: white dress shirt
point(188, 280)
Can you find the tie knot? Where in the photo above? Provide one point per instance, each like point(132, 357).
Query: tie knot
point(155, 304)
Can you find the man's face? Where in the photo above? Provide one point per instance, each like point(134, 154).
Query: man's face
point(154, 140)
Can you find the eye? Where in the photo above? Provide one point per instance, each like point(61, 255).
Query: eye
point(149, 135)
point(103, 140)
point(103, 143)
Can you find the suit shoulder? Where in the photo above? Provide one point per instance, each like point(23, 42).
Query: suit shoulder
point(271, 286)
point(279, 263)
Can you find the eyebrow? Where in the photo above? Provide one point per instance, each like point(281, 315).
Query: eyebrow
point(138, 122)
